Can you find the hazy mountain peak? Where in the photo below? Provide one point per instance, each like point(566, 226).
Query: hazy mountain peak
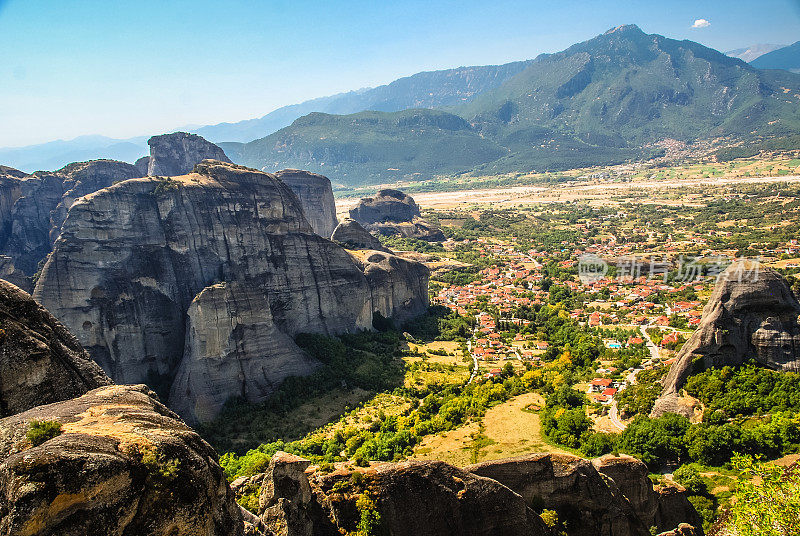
point(752, 52)
point(624, 28)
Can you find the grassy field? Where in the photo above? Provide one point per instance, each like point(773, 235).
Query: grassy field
point(508, 429)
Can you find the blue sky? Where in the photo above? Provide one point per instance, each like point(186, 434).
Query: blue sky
point(124, 68)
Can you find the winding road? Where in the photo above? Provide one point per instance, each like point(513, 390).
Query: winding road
point(630, 379)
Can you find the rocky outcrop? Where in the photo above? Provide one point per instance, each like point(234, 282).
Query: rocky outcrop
point(388, 206)
point(572, 487)
point(752, 314)
point(316, 197)
point(350, 234)
point(177, 153)
point(40, 361)
point(396, 284)
point(121, 463)
point(193, 282)
point(230, 330)
point(12, 172)
point(420, 498)
point(10, 192)
point(663, 506)
point(142, 165)
point(44, 198)
point(393, 213)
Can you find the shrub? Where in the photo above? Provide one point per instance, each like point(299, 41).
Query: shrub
point(41, 431)
point(689, 477)
point(770, 507)
point(370, 519)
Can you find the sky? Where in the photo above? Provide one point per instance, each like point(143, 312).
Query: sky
point(128, 68)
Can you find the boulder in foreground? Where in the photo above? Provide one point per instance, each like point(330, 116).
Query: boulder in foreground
point(122, 463)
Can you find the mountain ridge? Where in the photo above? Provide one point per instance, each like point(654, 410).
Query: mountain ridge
point(603, 101)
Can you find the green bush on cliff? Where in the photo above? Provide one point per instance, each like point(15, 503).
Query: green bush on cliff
point(41, 431)
point(766, 501)
point(370, 520)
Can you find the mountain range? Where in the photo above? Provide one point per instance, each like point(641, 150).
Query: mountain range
point(606, 100)
point(602, 101)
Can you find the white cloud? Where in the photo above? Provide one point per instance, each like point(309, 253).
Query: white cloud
point(701, 23)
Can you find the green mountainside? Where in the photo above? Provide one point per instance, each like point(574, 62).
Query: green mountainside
point(370, 147)
point(602, 101)
point(627, 87)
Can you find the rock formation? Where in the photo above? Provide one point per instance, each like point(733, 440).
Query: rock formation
point(663, 506)
point(752, 314)
point(12, 172)
point(35, 218)
point(572, 487)
point(420, 498)
point(177, 153)
point(142, 165)
point(40, 361)
point(122, 464)
point(395, 284)
point(316, 197)
point(391, 212)
point(10, 192)
point(350, 234)
point(496, 497)
point(388, 206)
point(187, 283)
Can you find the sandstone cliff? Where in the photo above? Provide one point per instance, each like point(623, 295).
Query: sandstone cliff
point(496, 497)
point(419, 498)
point(10, 191)
point(35, 218)
point(752, 314)
point(177, 153)
point(40, 361)
point(316, 197)
point(393, 213)
point(121, 464)
point(130, 270)
point(664, 506)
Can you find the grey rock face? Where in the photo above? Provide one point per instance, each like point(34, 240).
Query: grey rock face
point(44, 199)
point(752, 314)
point(137, 274)
point(393, 213)
point(122, 464)
point(387, 206)
point(40, 361)
point(316, 197)
point(10, 192)
point(350, 234)
point(177, 153)
point(572, 487)
point(230, 330)
point(396, 285)
point(663, 507)
point(143, 165)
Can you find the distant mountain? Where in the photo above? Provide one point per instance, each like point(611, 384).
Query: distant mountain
point(370, 147)
point(626, 88)
point(787, 58)
point(57, 154)
point(752, 52)
point(431, 89)
point(598, 102)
